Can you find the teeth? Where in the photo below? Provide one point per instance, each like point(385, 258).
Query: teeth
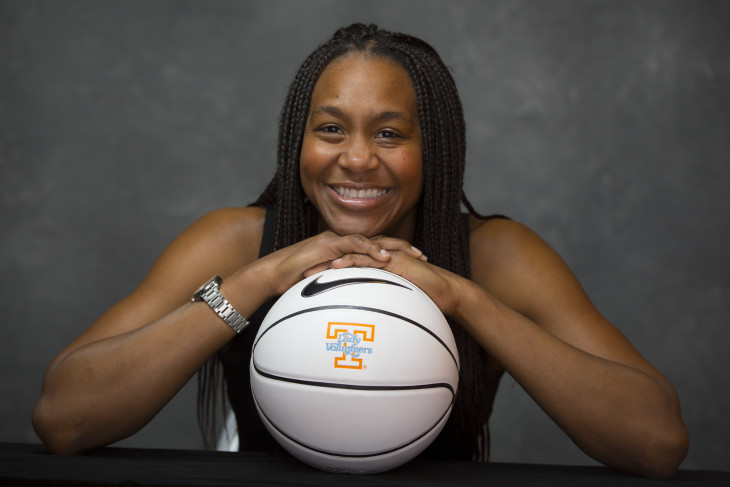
point(361, 194)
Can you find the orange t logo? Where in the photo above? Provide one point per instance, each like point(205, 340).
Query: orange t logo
point(349, 336)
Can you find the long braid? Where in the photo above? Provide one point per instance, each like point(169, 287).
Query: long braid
point(439, 230)
point(448, 244)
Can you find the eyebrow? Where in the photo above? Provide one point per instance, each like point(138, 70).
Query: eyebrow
point(336, 112)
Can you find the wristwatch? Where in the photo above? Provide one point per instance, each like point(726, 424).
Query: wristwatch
point(210, 293)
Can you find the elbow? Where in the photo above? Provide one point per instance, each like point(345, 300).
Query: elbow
point(56, 433)
point(662, 442)
point(662, 457)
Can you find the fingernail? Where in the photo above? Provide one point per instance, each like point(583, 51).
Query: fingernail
point(385, 253)
point(416, 250)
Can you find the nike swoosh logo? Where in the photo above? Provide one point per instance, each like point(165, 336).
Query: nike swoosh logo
point(315, 287)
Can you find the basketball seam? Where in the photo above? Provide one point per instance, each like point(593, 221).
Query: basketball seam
point(359, 387)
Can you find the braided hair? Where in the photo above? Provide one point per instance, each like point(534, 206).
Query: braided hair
point(440, 229)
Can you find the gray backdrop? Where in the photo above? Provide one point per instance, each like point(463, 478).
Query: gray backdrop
point(603, 125)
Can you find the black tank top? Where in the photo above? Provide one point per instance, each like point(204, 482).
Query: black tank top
point(235, 358)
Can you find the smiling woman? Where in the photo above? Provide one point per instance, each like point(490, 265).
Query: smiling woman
point(361, 163)
point(370, 169)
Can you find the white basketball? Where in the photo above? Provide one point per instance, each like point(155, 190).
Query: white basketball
point(354, 370)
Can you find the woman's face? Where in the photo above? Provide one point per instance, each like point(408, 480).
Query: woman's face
point(361, 162)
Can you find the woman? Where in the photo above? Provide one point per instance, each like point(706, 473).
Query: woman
point(370, 170)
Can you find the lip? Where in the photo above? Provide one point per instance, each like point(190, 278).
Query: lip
point(358, 196)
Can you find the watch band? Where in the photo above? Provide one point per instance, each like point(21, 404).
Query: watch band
point(210, 293)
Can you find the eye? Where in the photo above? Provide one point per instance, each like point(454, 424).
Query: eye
point(330, 129)
point(387, 134)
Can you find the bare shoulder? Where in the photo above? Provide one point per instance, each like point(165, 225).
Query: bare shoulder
point(221, 241)
point(499, 243)
point(238, 229)
point(512, 262)
point(218, 243)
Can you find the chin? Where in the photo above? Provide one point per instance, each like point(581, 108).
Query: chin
point(355, 226)
point(353, 230)
point(368, 224)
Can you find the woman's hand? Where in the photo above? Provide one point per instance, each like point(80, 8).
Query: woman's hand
point(399, 257)
point(327, 250)
point(287, 266)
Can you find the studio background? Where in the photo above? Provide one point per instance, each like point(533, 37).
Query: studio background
point(603, 125)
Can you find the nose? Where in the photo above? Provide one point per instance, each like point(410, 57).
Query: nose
point(357, 155)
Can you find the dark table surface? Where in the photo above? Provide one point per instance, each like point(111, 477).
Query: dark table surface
point(27, 464)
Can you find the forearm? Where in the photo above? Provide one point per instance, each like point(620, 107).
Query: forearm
point(109, 388)
point(617, 414)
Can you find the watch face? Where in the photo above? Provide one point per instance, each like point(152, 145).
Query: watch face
point(216, 281)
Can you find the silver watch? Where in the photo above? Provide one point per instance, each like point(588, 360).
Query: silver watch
point(210, 293)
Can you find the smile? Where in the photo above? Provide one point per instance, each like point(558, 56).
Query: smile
point(361, 194)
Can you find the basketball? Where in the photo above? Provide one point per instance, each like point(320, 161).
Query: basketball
point(354, 370)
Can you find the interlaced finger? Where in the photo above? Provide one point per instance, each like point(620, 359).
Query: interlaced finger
point(397, 244)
